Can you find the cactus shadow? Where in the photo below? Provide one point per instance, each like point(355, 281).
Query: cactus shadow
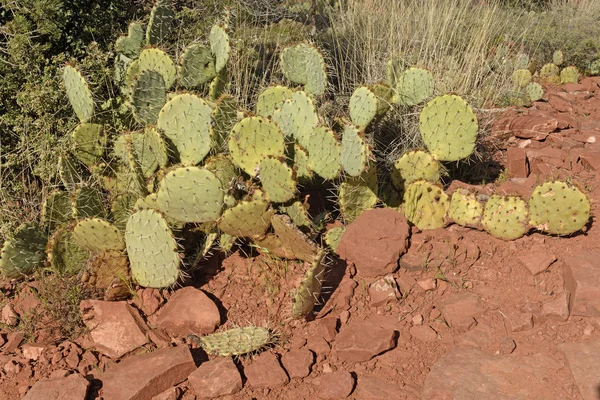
point(334, 275)
point(474, 171)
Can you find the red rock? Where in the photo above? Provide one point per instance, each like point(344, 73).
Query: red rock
point(169, 394)
point(460, 310)
point(581, 274)
point(427, 284)
point(27, 302)
point(318, 344)
point(383, 290)
point(13, 340)
point(327, 328)
point(9, 316)
point(266, 372)
point(469, 373)
point(189, 311)
point(505, 345)
point(501, 126)
point(537, 261)
point(216, 378)
point(589, 84)
point(589, 125)
point(73, 387)
point(520, 322)
point(88, 362)
point(582, 359)
point(335, 385)
point(575, 87)
point(159, 337)
point(375, 241)
point(516, 162)
point(519, 186)
point(557, 308)
point(590, 159)
point(143, 376)
point(423, 333)
point(32, 351)
point(148, 300)
point(114, 326)
point(361, 341)
point(374, 388)
point(560, 102)
point(297, 363)
point(536, 128)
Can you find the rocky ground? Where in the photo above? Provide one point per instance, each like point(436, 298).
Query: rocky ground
point(464, 316)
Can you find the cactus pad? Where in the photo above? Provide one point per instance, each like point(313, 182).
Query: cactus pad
point(159, 61)
point(521, 61)
point(550, 74)
point(271, 99)
point(308, 292)
point(90, 142)
point(368, 103)
point(521, 77)
point(303, 64)
point(465, 209)
point(79, 94)
point(448, 127)
point(88, 202)
point(23, 252)
point(247, 219)
point(558, 208)
point(558, 58)
point(68, 171)
point(288, 241)
point(220, 47)
point(425, 205)
point(161, 22)
point(297, 117)
point(224, 116)
point(535, 91)
point(236, 341)
point(219, 85)
point(569, 75)
point(186, 121)
point(131, 44)
point(97, 235)
point(277, 179)
point(301, 159)
point(506, 217)
point(355, 153)
point(64, 254)
point(413, 87)
point(121, 209)
point(197, 66)
point(358, 194)
point(414, 166)
point(191, 194)
point(333, 236)
point(253, 139)
point(152, 249)
point(148, 96)
point(57, 209)
point(324, 153)
point(298, 213)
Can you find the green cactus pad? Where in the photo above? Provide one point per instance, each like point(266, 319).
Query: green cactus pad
point(308, 292)
point(550, 74)
point(131, 44)
point(148, 96)
point(253, 139)
point(97, 235)
point(247, 219)
point(303, 64)
point(535, 91)
point(145, 203)
point(521, 61)
point(558, 208)
point(288, 241)
point(297, 117)
point(425, 205)
point(64, 254)
point(88, 202)
point(333, 236)
point(224, 116)
point(271, 99)
point(191, 194)
point(413, 166)
point(521, 77)
point(57, 209)
point(121, 209)
point(68, 171)
point(354, 152)
point(298, 213)
point(277, 179)
point(161, 22)
point(186, 121)
point(219, 85)
point(368, 103)
point(324, 153)
point(414, 86)
point(23, 252)
point(465, 209)
point(197, 66)
point(506, 217)
point(236, 341)
point(569, 75)
point(301, 158)
point(133, 69)
point(558, 58)
point(79, 94)
point(223, 168)
point(159, 61)
point(90, 142)
point(358, 194)
point(152, 250)
point(226, 242)
point(449, 128)
point(220, 47)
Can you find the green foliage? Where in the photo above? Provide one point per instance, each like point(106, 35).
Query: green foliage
point(277, 180)
point(413, 86)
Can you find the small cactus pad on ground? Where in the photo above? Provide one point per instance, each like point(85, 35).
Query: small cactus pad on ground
point(23, 252)
point(465, 209)
point(247, 219)
point(191, 194)
point(355, 152)
point(277, 179)
point(161, 22)
point(569, 75)
point(297, 117)
point(152, 250)
point(90, 142)
point(79, 93)
point(159, 61)
point(197, 66)
point(97, 235)
point(558, 208)
point(148, 96)
point(303, 64)
point(324, 153)
point(220, 46)
point(414, 166)
point(186, 121)
point(236, 341)
point(308, 292)
point(506, 217)
point(131, 44)
point(413, 86)
point(271, 99)
point(253, 139)
point(449, 128)
point(425, 205)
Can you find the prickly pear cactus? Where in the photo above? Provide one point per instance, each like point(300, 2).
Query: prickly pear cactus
point(97, 235)
point(277, 179)
point(152, 250)
point(521, 61)
point(186, 121)
point(465, 209)
point(271, 99)
point(23, 252)
point(148, 96)
point(220, 46)
point(358, 194)
point(559, 208)
point(253, 139)
point(79, 94)
point(288, 241)
point(131, 44)
point(121, 209)
point(414, 166)
point(68, 171)
point(64, 254)
point(304, 64)
point(297, 117)
point(161, 22)
point(88, 202)
point(159, 61)
point(425, 205)
point(550, 74)
point(355, 152)
point(191, 194)
point(306, 296)
point(197, 66)
point(224, 116)
point(413, 86)
point(219, 85)
point(301, 159)
point(569, 75)
point(368, 103)
point(247, 219)
point(57, 209)
point(298, 213)
point(558, 58)
point(333, 236)
point(324, 153)
point(236, 341)
point(521, 78)
point(535, 91)
point(506, 217)
point(90, 142)
point(449, 128)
